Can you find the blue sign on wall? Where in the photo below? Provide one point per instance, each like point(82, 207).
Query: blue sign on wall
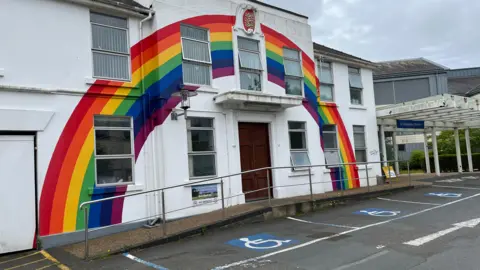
point(411, 124)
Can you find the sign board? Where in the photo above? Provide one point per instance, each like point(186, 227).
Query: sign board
point(416, 124)
point(203, 194)
point(261, 242)
point(389, 172)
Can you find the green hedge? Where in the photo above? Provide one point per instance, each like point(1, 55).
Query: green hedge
point(448, 163)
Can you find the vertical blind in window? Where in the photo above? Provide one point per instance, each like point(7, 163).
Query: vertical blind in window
point(196, 55)
point(250, 64)
point(293, 71)
point(326, 81)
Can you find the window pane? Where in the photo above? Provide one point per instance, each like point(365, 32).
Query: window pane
point(250, 60)
point(250, 81)
point(359, 129)
point(110, 66)
point(326, 92)
point(200, 122)
point(326, 75)
point(300, 158)
point(352, 70)
point(292, 54)
point(327, 128)
point(296, 125)
point(325, 65)
point(361, 155)
point(196, 73)
point(202, 165)
point(248, 44)
point(201, 140)
point(108, 20)
point(195, 50)
point(112, 121)
point(111, 171)
point(113, 142)
point(297, 140)
point(356, 96)
point(194, 33)
point(359, 139)
point(293, 86)
point(109, 39)
point(330, 140)
point(332, 157)
point(355, 81)
point(292, 68)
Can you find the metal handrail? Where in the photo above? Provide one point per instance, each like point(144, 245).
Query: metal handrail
point(164, 212)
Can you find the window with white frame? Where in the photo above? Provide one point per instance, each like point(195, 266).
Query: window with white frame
point(250, 64)
point(326, 81)
point(110, 49)
point(360, 144)
point(298, 144)
point(196, 55)
point(356, 87)
point(330, 142)
point(201, 147)
point(114, 157)
point(293, 72)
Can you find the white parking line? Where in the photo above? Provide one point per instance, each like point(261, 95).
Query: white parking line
point(472, 188)
point(326, 224)
point(342, 233)
point(413, 202)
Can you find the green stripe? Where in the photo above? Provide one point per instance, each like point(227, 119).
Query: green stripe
point(275, 56)
point(158, 73)
point(88, 182)
point(221, 45)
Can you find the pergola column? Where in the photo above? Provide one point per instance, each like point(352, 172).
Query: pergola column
point(458, 151)
point(383, 145)
point(395, 151)
point(427, 154)
point(469, 150)
point(435, 152)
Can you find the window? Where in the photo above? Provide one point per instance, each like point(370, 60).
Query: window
point(326, 81)
point(355, 86)
point(110, 49)
point(250, 65)
point(293, 72)
point(330, 143)
point(360, 145)
point(114, 157)
point(196, 55)
point(298, 144)
point(201, 147)
point(401, 147)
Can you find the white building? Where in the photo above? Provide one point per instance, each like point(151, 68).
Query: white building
point(86, 105)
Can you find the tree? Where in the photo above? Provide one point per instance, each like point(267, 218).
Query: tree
point(446, 141)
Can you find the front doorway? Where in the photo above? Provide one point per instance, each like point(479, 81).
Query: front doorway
point(254, 154)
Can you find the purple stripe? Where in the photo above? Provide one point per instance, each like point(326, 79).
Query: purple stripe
point(117, 206)
point(276, 80)
point(223, 72)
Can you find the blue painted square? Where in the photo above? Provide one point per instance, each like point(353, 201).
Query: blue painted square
point(377, 212)
point(261, 242)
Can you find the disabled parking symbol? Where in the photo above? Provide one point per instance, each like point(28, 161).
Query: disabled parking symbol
point(377, 212)
point(444, 194)
point(261, 242)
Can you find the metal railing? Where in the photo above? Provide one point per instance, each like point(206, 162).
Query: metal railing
point(85, 205)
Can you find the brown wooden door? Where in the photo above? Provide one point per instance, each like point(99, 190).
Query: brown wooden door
point(254, 154)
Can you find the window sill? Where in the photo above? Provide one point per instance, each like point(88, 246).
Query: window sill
point(357, 107)
point(299, 173)
point(110, 190)
point(106, 82)
point(206, 89)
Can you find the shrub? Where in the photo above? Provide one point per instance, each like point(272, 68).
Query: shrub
point(417, 159)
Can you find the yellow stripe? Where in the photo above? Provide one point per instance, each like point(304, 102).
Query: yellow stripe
point(25, 264)
point(221, 36)
point(21, 257)
point(274, 48)
point(52, 259)
point(161, 59)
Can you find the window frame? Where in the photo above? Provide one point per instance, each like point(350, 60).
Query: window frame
point(117, 156)
point(201, 153)
point(194, 61)
point(337, 149)
point(127, 54)
point(301, 77)
point(303, 150)
point(359, 73)
point(364, 141)
point(250, 70)
point(332, 84)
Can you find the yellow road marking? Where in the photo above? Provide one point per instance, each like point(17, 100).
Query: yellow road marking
point(51, 258)
point(17, 266)
point(18, 258)
point(45, 267)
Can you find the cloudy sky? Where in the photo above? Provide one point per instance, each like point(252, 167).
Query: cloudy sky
point(445, 31)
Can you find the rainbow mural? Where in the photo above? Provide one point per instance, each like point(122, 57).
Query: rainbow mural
point(156, 74)
point(323, 113)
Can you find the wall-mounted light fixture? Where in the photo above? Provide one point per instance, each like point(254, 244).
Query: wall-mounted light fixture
point(184, 93)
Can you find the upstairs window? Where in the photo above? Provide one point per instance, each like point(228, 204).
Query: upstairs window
point(196, 55)
point(326, 81)
point(330, 142)
point(360, 144)
point(250, 64)
point(298, 144)
point(110, 49)
point(293, 72)
point(356, 87)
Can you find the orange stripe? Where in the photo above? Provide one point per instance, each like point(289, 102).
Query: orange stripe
point(218, 27)
point(155, 49)
point(274, 41)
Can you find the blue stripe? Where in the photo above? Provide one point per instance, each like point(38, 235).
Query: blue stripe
point(275, 68)
point(149, 264)
point(106, 213)
point(222, 54)
point(95, 211)
point(221, 63)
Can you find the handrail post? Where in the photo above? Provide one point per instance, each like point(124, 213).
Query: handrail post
point(268, 186)
point(85, 217)
point(391, 179)
point(223, 198)
point(341, 185)
point(409, 175)
point(310, 180)
point(368, 180)
point(164, 219)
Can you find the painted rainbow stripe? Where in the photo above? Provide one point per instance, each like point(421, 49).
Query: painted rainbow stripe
point(69, 180)
point(323, 113)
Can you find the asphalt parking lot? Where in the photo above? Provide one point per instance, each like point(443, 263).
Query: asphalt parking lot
point(425, 228)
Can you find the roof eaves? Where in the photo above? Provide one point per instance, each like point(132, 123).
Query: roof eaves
point(408, 74)
point(278, 8)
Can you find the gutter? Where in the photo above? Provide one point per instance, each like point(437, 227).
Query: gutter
point(118, 7)
point(343, 60)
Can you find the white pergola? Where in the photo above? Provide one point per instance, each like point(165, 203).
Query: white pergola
point(442, 112)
